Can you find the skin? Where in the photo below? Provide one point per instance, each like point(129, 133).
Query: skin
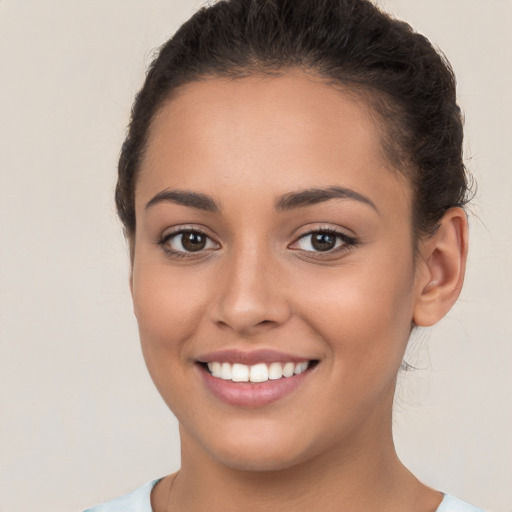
point(259, 284)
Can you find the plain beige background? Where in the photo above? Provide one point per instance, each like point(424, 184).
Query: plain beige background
point(80, 421)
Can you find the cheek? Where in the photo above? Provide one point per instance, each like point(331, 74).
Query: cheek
point(363, 315)
point(168, 308)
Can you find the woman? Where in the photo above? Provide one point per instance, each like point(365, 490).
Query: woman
point(292, 189)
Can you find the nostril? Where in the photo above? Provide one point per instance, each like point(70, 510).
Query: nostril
point(248, 312)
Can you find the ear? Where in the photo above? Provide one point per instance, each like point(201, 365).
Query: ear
point(441, 268)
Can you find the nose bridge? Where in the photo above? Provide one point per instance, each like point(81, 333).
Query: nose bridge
point(250, 294)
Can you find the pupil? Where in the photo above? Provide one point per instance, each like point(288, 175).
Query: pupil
point(323, 241)
point(193, 241)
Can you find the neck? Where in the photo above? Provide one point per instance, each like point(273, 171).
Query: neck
point(362, 475)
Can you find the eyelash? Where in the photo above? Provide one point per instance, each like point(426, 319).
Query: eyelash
point(164, 240)
point(347, 242)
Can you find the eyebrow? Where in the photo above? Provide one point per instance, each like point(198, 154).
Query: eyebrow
point(185, 198)
point(301, 199)
point(312, 196)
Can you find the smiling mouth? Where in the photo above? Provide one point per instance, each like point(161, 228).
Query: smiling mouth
point(257, 373)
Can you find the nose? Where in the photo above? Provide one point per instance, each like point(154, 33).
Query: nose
point(251, 294)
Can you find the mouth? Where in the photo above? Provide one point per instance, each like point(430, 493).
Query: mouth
point(256, 379)
point(257, 373)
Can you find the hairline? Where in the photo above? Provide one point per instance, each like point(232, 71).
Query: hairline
point(371, 99)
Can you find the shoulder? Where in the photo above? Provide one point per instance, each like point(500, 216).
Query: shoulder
point(137, 501)
point(453, 504)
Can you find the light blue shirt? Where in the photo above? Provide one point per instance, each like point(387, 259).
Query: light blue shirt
point(140, 501)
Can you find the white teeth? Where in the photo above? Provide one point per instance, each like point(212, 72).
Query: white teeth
point(300, 367)
point(275, 371)
point(256, 373)
point(225, 372)
point(215, 369)
point(288, 369)
point(239, 373)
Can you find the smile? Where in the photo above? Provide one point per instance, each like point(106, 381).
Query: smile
point(256, 379)
point(260, 372)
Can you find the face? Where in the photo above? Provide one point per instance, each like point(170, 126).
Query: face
point(273, 274)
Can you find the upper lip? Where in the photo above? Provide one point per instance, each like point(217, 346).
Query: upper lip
point(250, 357)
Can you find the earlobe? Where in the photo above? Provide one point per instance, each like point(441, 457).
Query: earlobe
point(443, 264)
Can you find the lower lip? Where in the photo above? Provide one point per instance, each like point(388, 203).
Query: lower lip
point(249, 394)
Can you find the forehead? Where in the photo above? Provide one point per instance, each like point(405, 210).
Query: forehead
point(278, 131)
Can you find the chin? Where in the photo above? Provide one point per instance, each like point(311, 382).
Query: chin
point(257, 460)
point(260, 450)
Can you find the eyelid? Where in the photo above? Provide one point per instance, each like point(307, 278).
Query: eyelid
point(170, 233)
point(348, 241)
point(187, 228)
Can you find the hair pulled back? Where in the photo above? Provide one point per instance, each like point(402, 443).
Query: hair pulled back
point(348, 43)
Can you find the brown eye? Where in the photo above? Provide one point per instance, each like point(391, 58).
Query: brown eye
point(188, 242)
point(193, 242)
point(323, 241)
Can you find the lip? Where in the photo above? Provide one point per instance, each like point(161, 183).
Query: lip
point(249, 394)
point(250, 358)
